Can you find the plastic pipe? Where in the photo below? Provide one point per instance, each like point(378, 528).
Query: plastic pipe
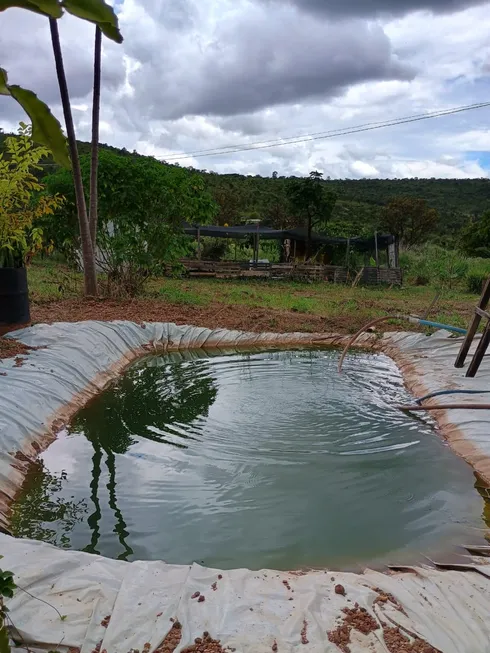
point(447, 406)
point(436, 325)
point(361, 331)
point(408, 318)
point(451, 392)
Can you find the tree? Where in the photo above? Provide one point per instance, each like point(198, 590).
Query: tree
point(21, 204)
point(95, 136)
point(46, 128)
point(142, 205)
point(410, 219)
point(89, 269)
point(475, 237)
point(228, 200)
point(311, 202)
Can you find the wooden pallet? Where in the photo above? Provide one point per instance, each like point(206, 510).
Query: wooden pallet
point(481, 350)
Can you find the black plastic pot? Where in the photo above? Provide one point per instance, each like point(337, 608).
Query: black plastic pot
point(14, 298)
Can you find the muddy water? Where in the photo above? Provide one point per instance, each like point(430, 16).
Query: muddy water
point(252, 460)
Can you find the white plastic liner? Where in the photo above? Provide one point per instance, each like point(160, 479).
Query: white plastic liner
point(427, 365)
point(249, 611)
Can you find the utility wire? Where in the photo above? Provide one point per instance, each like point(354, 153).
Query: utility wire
point(259, 145)
point(286, 138)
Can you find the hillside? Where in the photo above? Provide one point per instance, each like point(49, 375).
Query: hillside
point(359, 200)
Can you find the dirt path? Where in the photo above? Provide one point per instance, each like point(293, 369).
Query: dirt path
point(227, 316)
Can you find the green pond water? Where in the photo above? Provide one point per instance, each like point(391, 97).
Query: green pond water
point(265, 459)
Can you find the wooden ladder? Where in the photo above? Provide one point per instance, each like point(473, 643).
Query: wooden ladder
point(481, 350)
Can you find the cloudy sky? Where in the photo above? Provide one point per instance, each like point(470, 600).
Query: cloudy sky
point(196, 75)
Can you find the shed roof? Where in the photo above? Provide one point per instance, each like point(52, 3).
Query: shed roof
point(242, 231)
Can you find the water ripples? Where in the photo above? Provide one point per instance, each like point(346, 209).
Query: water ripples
point(261, 459)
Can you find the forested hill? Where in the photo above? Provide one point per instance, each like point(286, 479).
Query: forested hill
point(471, 196)
point(358, 200)
point(466, 196)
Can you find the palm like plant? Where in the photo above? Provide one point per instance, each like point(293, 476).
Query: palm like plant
point(85, 238)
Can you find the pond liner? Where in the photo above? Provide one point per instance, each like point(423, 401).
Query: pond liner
point(250, 611)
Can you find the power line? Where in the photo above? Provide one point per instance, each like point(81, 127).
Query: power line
point(259, 145)
point(287, 138)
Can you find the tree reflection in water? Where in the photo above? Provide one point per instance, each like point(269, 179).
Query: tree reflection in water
point(156, 393)
point(40, 506)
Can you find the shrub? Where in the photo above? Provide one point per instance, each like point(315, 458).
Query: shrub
point(142, 205)
point(433, 264)
point(475, 280)
point(450, 267)
point(214, 249)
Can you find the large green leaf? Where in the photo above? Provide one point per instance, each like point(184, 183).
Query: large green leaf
point(4, 90)
point(45, 128)
point(96, 11)
point(48, 7)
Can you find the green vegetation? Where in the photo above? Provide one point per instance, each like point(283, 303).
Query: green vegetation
point(21, 204)
point(435, 210)
point(7, 587)
point(359, 206)
point(318, 306)
point(311, 203)
point(443, 227)
point(141, 206)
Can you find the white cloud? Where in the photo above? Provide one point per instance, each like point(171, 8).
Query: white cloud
point(193, 76)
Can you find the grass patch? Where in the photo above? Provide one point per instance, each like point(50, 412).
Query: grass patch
point(51, 280)
point(181, 295)
point(341, 308)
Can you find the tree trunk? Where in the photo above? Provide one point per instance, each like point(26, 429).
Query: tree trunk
point(308, 239)
point(89, 272)
point(95, 138)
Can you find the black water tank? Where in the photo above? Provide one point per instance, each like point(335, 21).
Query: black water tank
point(14, 297)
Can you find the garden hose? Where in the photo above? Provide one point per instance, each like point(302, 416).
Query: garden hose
point(413, 319)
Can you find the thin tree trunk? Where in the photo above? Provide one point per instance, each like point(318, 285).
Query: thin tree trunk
point(94, 165)
point(308, 239)
point(89, 272)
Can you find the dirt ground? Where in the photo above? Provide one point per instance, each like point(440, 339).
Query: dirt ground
point(11, 348)
point(213, 315)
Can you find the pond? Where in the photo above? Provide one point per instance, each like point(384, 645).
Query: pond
point(261, 459)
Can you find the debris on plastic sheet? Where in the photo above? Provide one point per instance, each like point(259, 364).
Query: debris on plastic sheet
point(97, 647)
point(340, 589)
point(206, 644)
point(355, 618)
point(105, 621)
point(171, 640)
point(386, 597)
point(397, 642)
point(304, 632)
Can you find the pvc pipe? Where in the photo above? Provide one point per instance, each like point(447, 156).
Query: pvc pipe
point(438, 325)
point(447, 406)
point(451, 392)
